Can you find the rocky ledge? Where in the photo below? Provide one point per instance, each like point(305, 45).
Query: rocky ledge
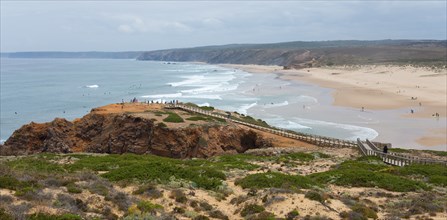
point(127, 133)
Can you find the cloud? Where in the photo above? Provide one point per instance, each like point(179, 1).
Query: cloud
point(126, 23)
point(28, 25)
point(124, 28)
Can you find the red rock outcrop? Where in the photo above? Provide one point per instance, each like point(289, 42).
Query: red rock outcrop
point(121, 133)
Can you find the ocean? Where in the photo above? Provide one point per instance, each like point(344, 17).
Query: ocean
point(40, 90)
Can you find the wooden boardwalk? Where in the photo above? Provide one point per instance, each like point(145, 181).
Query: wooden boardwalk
point(366, 147)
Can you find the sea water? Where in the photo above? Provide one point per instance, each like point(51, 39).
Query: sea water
point(40, 90)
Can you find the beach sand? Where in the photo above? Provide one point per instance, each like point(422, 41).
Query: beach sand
point(379, 87)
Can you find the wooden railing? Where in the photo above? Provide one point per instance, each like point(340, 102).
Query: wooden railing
point(313, 139)
point(367, 148)
point(396, 158)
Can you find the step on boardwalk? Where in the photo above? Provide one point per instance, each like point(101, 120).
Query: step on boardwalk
point(366, 147)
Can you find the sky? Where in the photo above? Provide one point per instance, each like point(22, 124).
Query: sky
point(152, 25)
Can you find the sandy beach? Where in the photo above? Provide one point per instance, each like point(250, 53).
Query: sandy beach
point(416, 92)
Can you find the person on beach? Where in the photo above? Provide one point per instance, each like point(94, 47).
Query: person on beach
point(385, 149)
point(363, 109)
point(411, 110)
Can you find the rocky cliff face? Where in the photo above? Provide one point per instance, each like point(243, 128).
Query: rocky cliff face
point(120, 133)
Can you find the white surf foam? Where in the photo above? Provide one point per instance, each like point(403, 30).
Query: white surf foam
point(275, 105)
point(244, 108)
point(284, 123)
point(356, 131)
point(209, 85)
point(203, 96)
point(2, 141)
point(204, 104)
point(189, 80)
point(172, 95)
point(305, 98)
point(92, 86)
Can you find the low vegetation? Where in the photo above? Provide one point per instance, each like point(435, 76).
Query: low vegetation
point(75, 184)
point(173, 118)
point(275, 180)
point(369, 172)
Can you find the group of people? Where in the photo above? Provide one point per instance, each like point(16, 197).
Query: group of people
point(135, 100)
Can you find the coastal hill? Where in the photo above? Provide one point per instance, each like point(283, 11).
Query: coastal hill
point(301, 54)
point(298, 54)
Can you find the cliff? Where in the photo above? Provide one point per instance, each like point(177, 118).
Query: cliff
point(310, 54)
point(116, 133)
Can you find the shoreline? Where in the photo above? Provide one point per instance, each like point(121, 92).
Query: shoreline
point(380, 89)
point(382, 94)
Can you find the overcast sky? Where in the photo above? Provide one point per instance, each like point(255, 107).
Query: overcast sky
point(138, 25)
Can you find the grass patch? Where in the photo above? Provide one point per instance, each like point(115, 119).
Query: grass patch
point(237, 161)
point(39, 163)
point(437, 153)
point(251, 209)
point(207, 108)
point(150, 168)
point(148, 207)
point(21, 187)
point(275, 180)
point(368, 172)
point(433, 173)
point(130, 167)
point(251, 120)
point(300, 156)
point(200, 118)
point(399, 150)
point(173, 118)
point(44, 216)
point(73, 188)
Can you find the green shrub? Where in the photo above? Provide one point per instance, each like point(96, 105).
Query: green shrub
point(5, 215)
point(9, 182)
point(162, 125)
point(435, 173)
point(218, 214)
point(43, 216)
point(314, 195)
point(367, 172)
point(173, 118)
point(275, 180)
point(201, 217)
point(437, 153)
point(73, 188)
point(148, 207)
point(149, 168)
point(365, 211)
point(149, 190)
point(297, 156)
point(364, 178)
point(399, 150)
point(25, 191)
point(179, 196)
point(438, 180)
point(251, 209)
point(198, 118)
point(38, 163)
point(292, 214)
point(207, 108)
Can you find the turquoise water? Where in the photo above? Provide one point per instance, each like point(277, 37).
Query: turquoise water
point(41, 89)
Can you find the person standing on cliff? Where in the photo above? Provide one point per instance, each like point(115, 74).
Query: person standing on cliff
point(385, 149)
